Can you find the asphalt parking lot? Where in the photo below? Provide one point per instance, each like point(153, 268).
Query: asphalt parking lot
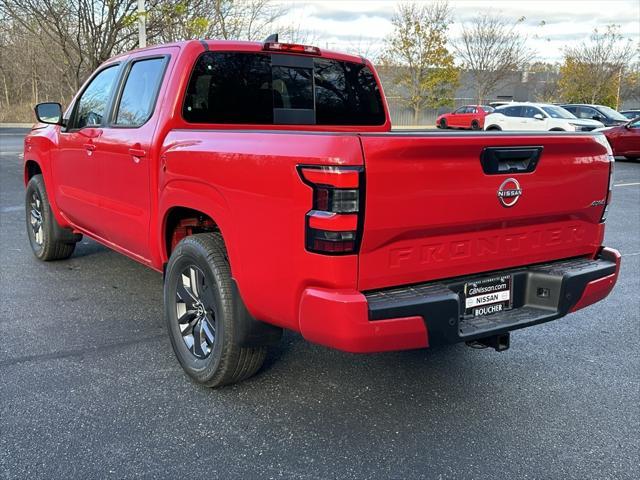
point(90, 388)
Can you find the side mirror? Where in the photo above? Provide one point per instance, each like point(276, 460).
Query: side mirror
point(49, 112)
point(598, 118)
point(538, 116)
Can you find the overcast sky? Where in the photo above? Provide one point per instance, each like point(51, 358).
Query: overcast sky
point(362, 25)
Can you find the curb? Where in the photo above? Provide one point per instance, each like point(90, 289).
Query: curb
point(16, 125)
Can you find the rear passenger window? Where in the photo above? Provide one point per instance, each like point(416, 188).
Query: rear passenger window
point(250, 88)
point(511, 111)
point(140, 92)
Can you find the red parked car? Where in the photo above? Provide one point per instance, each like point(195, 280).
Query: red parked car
point(467, 117)
point(264, 182)
point(625, 139)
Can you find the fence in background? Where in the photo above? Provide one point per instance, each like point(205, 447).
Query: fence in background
point(402, 115)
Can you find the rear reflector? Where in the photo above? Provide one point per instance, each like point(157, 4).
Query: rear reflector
point(326, 241)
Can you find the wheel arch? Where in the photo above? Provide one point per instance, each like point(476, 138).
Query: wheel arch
point(195, 206)
point(31, 168)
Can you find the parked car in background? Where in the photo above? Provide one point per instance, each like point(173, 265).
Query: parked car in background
point(500, 103)
point(625, 139)
point(537, 116)
point(467, 117)
point(631, 114)
point(607, 115)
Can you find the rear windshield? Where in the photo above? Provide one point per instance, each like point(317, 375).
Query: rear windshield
point(250, 88)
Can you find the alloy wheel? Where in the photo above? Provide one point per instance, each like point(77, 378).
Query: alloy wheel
point(195, 309)
point(35, 219)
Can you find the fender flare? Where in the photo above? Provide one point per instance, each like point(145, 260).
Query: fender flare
point(202, 197)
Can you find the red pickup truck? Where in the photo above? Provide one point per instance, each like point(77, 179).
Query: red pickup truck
point(265, 182)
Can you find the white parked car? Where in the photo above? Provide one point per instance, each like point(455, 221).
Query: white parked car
point(537, 116)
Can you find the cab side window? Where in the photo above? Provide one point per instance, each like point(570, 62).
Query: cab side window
point(92, 105)
point(140, 92)
point(586, 112)
point(512, 111)
point(531, 112)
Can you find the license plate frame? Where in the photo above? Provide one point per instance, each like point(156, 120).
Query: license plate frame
point(487, 296)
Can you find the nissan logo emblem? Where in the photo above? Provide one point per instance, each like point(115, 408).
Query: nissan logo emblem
point(509, 192)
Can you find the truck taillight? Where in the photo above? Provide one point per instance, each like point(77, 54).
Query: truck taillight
point(612, 163)
point(602, 140)
point(334, 223)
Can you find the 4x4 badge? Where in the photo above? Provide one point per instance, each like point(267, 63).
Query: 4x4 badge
point(509, 192)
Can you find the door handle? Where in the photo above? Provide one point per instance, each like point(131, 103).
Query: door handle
point(500, 160)
point(137, 152)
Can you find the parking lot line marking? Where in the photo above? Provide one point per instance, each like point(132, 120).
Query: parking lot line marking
point(630, 254)
point(15, 208)
point(4, 152)
point(626, 184)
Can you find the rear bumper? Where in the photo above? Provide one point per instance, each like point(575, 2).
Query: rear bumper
point(423, 315)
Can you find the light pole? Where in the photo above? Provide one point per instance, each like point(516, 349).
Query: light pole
point(142, 25)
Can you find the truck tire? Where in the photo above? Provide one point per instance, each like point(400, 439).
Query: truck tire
point(199, 304)
point(49, 241)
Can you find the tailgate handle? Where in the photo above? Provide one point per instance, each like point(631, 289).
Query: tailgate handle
point(496, 160)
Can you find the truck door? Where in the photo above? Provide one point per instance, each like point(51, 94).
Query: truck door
point(126, 153)
point(76, 170)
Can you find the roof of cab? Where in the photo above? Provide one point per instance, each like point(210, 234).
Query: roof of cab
point(239, 46)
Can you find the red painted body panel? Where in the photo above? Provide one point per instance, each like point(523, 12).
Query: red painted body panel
point(340, 319)
point(600, 288)
point(623, 140)
point(430, 212)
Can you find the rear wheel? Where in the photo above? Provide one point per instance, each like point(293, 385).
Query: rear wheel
point(48, 240)
point(199, 303)
point(443, 123)
point(475, 125)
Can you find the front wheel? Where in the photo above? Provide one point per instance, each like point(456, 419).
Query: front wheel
point(48, 240)
point(199, 303)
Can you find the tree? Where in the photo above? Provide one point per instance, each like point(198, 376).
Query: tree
point(630, 85)
point(545, 81)
point(491, 49)
point(222, 19)
point(49, 47)
point(592, 71)
point(416, 53)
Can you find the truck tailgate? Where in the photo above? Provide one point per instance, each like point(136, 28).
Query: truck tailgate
point(432, 207)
